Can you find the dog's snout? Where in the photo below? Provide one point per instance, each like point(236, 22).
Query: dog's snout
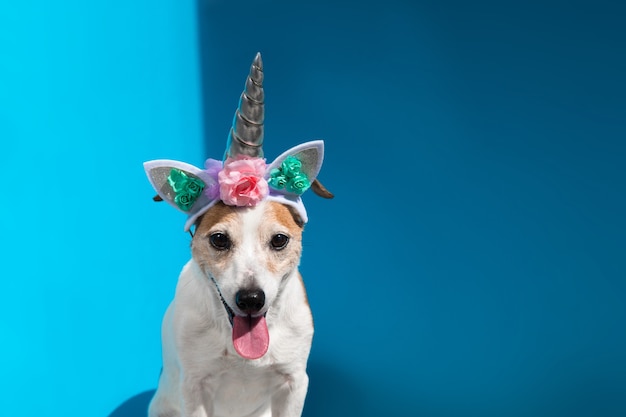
point(250, 301)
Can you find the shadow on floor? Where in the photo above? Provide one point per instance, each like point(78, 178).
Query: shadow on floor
point(136, 406)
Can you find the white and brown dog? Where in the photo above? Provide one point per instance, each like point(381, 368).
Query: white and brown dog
point(237, 336)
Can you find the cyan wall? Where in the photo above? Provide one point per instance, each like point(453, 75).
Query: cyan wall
point(88, 91)
point(472, 263)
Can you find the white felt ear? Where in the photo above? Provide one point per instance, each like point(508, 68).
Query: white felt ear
point(310, 154)
point(158, 172)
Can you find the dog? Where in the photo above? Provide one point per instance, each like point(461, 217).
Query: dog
point(236, 337)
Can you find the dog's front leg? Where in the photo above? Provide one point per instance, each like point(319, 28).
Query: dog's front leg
point(288, 401)
point(196, 400)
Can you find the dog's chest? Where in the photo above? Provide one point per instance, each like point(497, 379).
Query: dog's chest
point(244, 389)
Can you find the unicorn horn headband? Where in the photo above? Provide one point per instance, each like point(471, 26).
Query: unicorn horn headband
point(246, 134)
point(243, 178)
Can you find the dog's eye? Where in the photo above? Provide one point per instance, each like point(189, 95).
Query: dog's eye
point(279, 241)
point(220, 241)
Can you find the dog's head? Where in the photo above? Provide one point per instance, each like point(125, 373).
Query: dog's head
point(249, 254)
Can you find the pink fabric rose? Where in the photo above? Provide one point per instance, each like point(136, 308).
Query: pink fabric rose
point(241, 181)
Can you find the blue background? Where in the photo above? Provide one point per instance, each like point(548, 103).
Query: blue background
point(472, 263)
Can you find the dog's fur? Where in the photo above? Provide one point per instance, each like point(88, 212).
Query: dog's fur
point(203, 375)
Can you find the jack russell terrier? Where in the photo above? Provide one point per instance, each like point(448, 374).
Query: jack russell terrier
point(236, 338)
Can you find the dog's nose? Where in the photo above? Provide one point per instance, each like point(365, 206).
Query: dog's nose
point(250, 301)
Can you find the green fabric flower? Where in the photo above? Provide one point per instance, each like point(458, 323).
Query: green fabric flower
point(186, 187)
point(289, 176)
point(291, 166)
point(298, 184)
point(184, 201)
point(277, 180)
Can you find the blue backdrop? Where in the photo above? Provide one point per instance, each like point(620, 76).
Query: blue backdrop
point(472, 263)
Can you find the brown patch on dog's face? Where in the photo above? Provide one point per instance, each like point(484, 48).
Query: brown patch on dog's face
point(283, 220)
point(248, 248)
point(286, 216)
point(219, 218)
point(220, 212)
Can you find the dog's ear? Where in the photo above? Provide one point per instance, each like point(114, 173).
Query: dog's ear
point(320, 190)
point(297, 217)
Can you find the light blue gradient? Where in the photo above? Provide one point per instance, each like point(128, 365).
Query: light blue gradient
point(472, 263)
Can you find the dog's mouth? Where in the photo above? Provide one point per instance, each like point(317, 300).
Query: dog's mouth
point(251, 337)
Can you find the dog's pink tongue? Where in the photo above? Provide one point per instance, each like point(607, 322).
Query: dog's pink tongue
point(250, 336)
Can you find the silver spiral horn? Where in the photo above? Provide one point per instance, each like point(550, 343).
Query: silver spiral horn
point(246, 133)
